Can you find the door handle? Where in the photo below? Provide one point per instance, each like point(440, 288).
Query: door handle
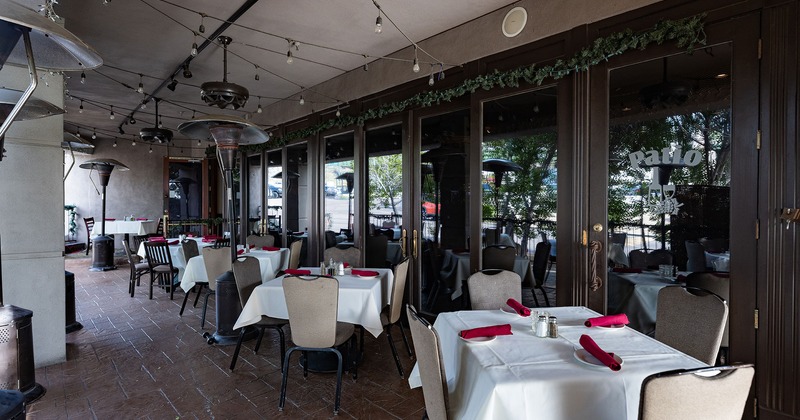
point(595, 282)
point(403, 239)
point(414, 244)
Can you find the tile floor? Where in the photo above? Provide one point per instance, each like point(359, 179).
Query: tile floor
point(136, 358)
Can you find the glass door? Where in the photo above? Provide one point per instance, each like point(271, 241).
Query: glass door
point(383, 246)
point(272, 215)
point(339, 191)
point(296, 179)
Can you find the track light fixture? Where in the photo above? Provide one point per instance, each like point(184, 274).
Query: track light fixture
point(121, 131)
point(83, 78)
point(187, 74)
point(172, 85)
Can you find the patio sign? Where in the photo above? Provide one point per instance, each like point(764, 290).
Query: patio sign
point(662, 193)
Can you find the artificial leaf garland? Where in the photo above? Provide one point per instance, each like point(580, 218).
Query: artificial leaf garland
point(687, 33)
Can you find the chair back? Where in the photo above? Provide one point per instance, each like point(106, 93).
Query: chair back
point(160, 227)
point(715, 245)
point(128, 254)
point(499, 256)
point(137, 242)
point(717, 283)
point(190, 249)
point(431, 368)
point(350, 255)
point(658, 257)
point(618, 238)
point(217, 261)
point(157, 254)
point(221, 243)
point(637, 258)
point(294, 254)
point(398, 291)
point(541, 256)
point(89, 223)
point(692, 323)
point(375, 251)
point(718, 393)
point(312, 326)
point(696, 256)
point(247, 274)
point(330, 239)
point(490, 289)
point(490, 236)
point(261, 241)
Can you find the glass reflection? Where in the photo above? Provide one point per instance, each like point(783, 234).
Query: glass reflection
point(297, 197)
point(384, 196)
point(274, 193)
point(254, 188)
point(338, 190)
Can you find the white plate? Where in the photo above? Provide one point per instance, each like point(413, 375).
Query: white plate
point(583, 356)
point(365, 277)
point(613, 327)
point(478, 339)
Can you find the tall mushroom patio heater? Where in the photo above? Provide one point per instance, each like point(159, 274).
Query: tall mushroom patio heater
point(499, 167)
point(228, 132)
point(102, 245)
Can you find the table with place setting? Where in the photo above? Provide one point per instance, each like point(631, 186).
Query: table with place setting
point(176, 252)
point(361, 298)
point(523, 376)
point(635, 293)
point(132, 227)
point(455, 269)
point(196, 268)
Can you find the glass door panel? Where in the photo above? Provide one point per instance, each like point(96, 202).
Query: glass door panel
point(669, 177)
point(338, 190)
point(445, 219)
point(273, 215)
point(520, 139)
point(385, 195)
point(185, 208)
point(296, 179)
point(254, 189)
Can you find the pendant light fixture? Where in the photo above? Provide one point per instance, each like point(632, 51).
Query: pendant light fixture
point(224, 94)
point(156, 133)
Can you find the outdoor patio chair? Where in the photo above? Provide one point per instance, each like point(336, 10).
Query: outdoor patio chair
point(138, 268)
point(159, 260)
point(428, 349)
point(89, 223)
point(691, 320)
point(539, 267)
point(490, 289)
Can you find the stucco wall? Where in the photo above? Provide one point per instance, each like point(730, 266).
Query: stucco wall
point(32, 219)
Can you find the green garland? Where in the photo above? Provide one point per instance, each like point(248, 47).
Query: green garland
point(72, 226)
point(686, 33)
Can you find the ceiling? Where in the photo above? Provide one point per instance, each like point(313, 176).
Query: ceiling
point(154, 37)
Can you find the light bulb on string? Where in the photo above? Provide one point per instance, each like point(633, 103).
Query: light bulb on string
point(78, 132)
point(379, 23)
point(338, 112)
point(199, 142)
point(115, 143)
point(302, 100)
point(193, 52)
point(94, 134)
point(111, 115)
point(202, 27)
point(105, 2)
point(415, 67)
point(83, 78)
point(259, 109)
point(366, 64)
point(440, 76)
point(80, 108)
point(150, 150)
point(289, 59)
point(192, 114)
point(132, 121)
point(257, 77)
point(160, 123)
point(430, 78)
point(140, 89)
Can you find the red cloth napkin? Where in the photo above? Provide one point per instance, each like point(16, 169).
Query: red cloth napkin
point(270, 248)
point(157, 239)
point(601, 355)
point(365, 273)
point(604, 321)
point(503, 329)
point(518, 307)
point(346, 265)
point(141, 218)
point(175, 242)
point(252, 246)
point(190, 235)
point(240, 252)
point(109, 219)
point(294, 272)
point(210, 238)
point(626, 270)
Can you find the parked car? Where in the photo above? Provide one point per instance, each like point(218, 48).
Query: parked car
point(275, 192)
point(330, 191)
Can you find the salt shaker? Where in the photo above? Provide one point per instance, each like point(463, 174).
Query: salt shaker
point(340, 269)
point(552, 327)
point(541, 326)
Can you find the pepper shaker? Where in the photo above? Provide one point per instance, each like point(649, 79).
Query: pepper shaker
point(552, 327)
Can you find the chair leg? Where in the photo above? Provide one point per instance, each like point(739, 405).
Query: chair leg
point(388, 330)
point(172, 286)
point(205, 307)
point(258, 342)
point(284, 379)
point(238, 347)
point(152, 280)
point(405, 340)
point(305, 365)
point(544, 293)
point(535, 299)
point(283, 344)
point(196, 298)
point(338, 384)
point(362, 340)
point(185, 298)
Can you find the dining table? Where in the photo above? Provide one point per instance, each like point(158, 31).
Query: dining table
point(719, 261)
point(455, 269)
point(176, 252)
point(635, 293)
point(361, 299)
point(269, 262)
point(522, 376)
point(132, 227)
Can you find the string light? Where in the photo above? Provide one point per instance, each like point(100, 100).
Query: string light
point(160, 123)
point(289, 59)
point(192, 114)
point(94, 134)
point(80, 108)
point(78, 132)
point(302, 100)
point(338, 112)
point(415, 67)
point(259, 109)
point(150, 150)
point(193, 52)
point(202, 27)
point(257, 77)
point(199, 142)
point(83, 78)
point(140, 89)
point(144, 102)
point(132, 121)
point(115, 143)
point(133, 143)
point(105, 2)
point(366, 64)
point(379, 23)
point(430, 79)
point(111, 115)
point(440, 76)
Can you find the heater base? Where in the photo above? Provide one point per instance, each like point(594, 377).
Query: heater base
point(33, 393)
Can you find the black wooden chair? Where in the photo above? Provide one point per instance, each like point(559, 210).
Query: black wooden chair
point(89, 222)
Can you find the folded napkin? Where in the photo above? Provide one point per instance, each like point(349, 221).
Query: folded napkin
point(626, 270)
point(190, 235)
point(492, 330)
point(157, 239)
point(252, 246)
point(606, 358)
point(210, 238)
point(141, 218)
point(175, 242)
point(293, 272)
point(364, 273)
point(270, 248)
point(518, 307)
point(109, 219)
point(346, 265)
point(604, 321)
point(240, 252)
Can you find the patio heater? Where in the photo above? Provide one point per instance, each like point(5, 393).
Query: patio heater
point(103, 245)
point(348, 177)
point(228, 132)
point(52, 47)
point(499, 167)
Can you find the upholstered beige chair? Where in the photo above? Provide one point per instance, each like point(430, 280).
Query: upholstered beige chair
point(717, 283)
point(718, 393)
point(294, 254)
point(261, 241)
point(247, 274)
point(217, 261)
point(350, 255)
point(138, 269)
point(159, 260)
point(431, 367)
point(391, 314)
point(490, 289)
point(318, 329)
point(691, 321)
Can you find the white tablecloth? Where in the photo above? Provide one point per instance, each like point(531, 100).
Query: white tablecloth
point(636, 295)
point(360, 300)
point(136, 227)
point(718, 261)
point(525, 377)
point(196, 268)
point(176, 252)
point(455, 269)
